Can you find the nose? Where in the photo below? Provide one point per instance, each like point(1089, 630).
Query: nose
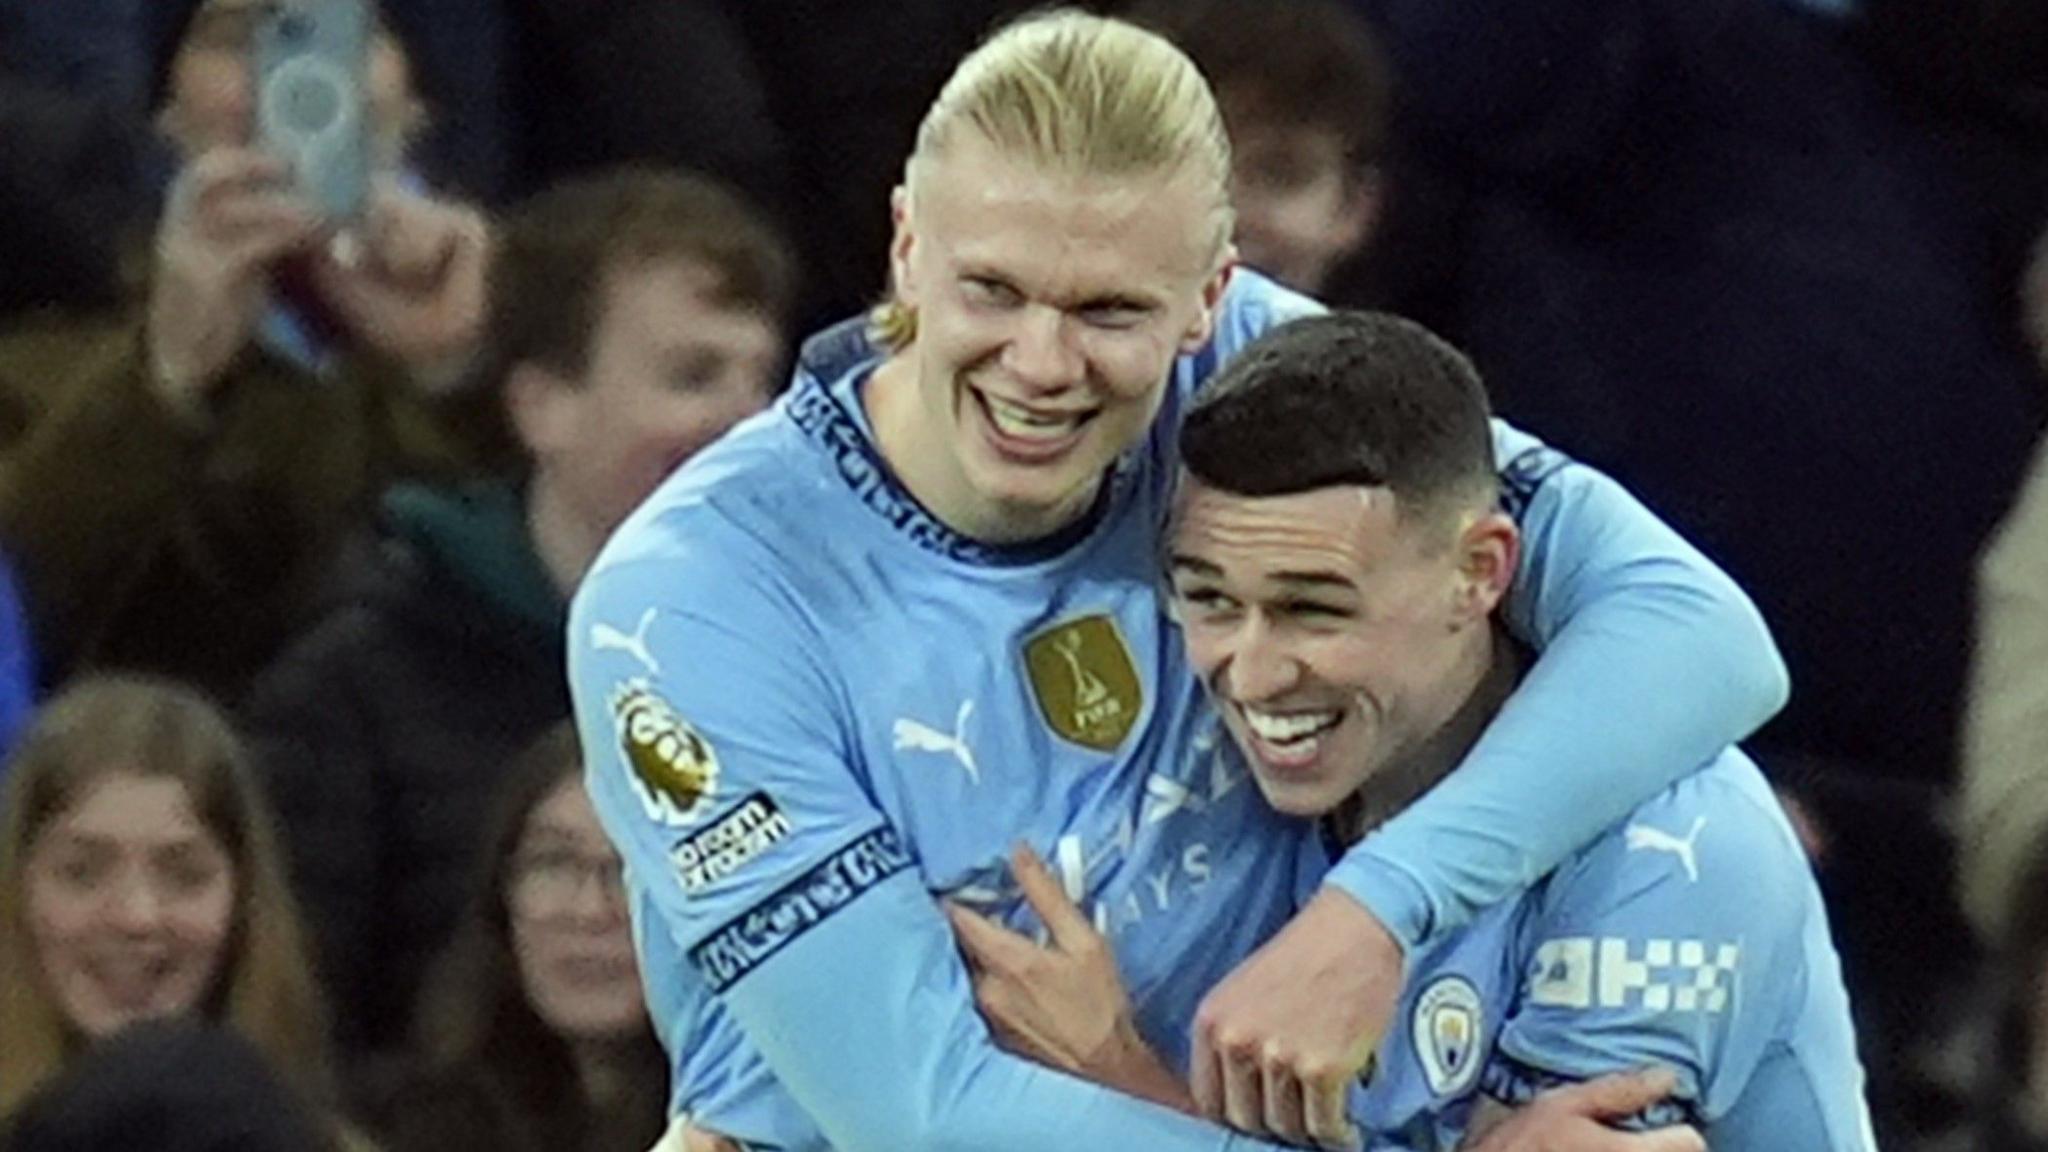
point(1041, 352)
point(1258, 666)
point(136, 906)
point(599, 898)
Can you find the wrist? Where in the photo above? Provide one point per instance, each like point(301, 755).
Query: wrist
point(182, 391)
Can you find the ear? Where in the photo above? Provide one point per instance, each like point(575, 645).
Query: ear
point(1487, 550)
point(902, 240)
point(1359, 218)
point(1203, 325)
point(542, 409)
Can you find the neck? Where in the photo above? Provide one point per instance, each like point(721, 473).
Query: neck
point(565, 542)
point(600, 1069)
point(904, 436)
point(1490, 675)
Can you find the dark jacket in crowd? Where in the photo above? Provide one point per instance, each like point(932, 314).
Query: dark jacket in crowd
point(170, 1087)
point(1703, 248)
point(662, 82)
point(381, 734)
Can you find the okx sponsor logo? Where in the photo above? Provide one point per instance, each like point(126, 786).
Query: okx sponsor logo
point(749, 939)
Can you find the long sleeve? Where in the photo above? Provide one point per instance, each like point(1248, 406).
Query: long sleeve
point(93, 474)
point(716, 757)
point(1652, 661)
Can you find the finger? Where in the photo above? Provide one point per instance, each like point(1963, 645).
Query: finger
point(1280, 1090)
point(1620, 1094)
point(1679, 1139)
point(225, 173)
point(986, 943)
point(1325, 1113)
point(1244, 1105)
point(1066, 923)
point(698, 1140)
point(1205, 1077)
point(234, 219)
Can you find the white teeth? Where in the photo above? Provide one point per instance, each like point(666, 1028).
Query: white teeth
point(1283, 728)
point(1016, 420)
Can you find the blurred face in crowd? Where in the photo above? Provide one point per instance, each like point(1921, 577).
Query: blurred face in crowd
point(1335, 635)
point(210, 101)
point(570, 930)
point(670, 369)
point(1050, 309)
point(1302, 207)
point(130, 900)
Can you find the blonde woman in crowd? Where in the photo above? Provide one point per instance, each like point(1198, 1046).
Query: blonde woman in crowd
point(139, 880)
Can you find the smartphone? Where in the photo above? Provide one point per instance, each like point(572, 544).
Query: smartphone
point(311, 69)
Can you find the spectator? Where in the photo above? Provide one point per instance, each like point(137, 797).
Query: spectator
point(139, 880)
point(1306, 92)
point(171, 1087)
point(175, 474)
point(633, 318)
point(534, 1035)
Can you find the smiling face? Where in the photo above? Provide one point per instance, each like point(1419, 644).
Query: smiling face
point(130, 901)
point(1050, 310)
point(1335, 635)
point(570, 931)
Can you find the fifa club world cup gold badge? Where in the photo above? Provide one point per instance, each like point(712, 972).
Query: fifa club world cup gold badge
point(1085, 681)
point(674, 769)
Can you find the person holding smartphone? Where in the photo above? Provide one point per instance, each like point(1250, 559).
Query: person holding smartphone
point(176, 473)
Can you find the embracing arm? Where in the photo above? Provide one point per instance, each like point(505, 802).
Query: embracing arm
point(818, 935)
point(1653, 661)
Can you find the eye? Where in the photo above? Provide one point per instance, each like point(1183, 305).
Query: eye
point(990, 291)
point(79, 870)
point(1310, 609)
point(1209, 601)
point(1113, 317)
point(697, 373)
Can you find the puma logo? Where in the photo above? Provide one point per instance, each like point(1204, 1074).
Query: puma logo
point(924, 738)
point(1642, 837)
point(606, 638)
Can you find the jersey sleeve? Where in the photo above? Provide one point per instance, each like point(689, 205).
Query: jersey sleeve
point(1652, 661)
point(1675, 941)
point(719, 758)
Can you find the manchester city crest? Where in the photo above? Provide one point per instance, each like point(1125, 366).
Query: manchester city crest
point(1448, 1034)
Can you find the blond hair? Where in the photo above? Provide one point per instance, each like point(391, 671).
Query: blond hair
point(110, 724)
point(1076, 94)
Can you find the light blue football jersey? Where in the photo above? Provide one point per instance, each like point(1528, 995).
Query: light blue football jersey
point(807, 707)
point(1691, 936)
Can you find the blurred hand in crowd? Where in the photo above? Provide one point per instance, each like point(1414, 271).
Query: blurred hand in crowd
point(230, 218)
point(410, 280)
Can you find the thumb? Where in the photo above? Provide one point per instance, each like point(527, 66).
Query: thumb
point(1619, 1095)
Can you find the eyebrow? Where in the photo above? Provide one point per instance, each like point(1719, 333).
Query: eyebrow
point(1196, 566)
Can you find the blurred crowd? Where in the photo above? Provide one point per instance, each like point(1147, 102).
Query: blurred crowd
point(289, 527)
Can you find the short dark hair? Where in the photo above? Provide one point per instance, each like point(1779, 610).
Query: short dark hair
point(1315, 63)
point(1346, 398)
point(558, 251)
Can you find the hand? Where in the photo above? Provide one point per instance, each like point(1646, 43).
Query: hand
point(1280, 1040)
point(410, 282)
point(1574, 1119)
point(1063, 1004)
point(698, 1140)
point(229, 218)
